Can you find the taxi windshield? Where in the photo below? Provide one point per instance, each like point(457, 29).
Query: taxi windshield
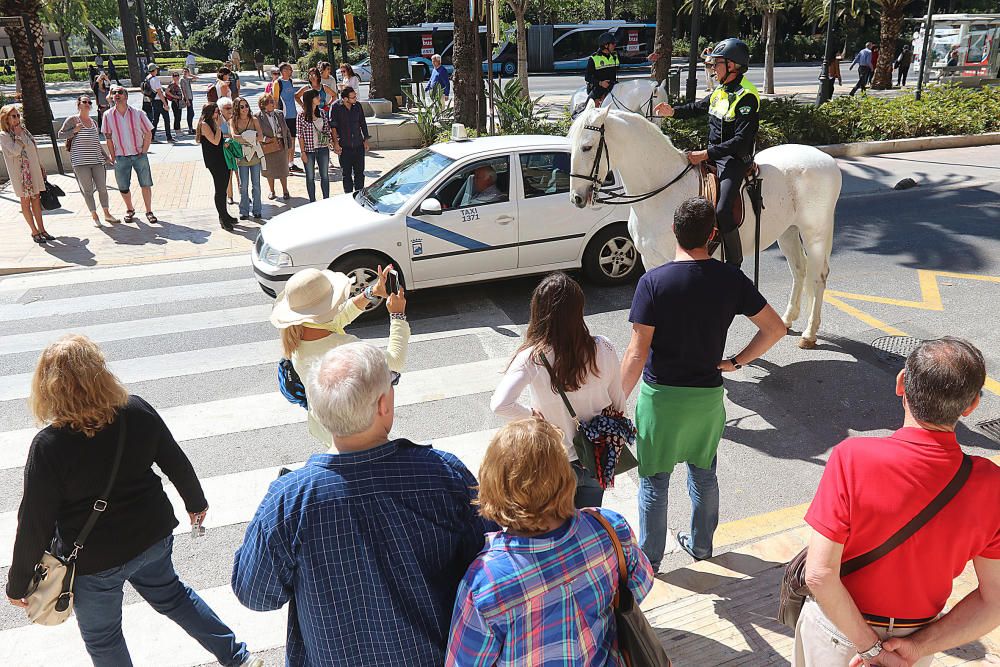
point(394, 189)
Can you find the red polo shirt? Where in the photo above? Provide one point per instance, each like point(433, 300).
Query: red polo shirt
point(872, 487)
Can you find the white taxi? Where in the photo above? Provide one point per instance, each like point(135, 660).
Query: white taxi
point(457, 212)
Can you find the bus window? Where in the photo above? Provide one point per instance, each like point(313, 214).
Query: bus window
point(576, 45)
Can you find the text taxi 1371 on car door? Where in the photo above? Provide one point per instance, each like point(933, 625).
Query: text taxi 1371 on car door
point(457, 212)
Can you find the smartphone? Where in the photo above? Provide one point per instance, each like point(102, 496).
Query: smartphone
point(197, 530)
point(392, 282)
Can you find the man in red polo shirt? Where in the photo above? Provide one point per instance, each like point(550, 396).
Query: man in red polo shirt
point(870, 489)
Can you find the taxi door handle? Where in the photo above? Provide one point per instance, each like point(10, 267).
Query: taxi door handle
point(504, 219)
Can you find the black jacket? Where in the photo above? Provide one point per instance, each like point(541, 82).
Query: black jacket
point(593, 76)
point(733, 138)
point(66, 471)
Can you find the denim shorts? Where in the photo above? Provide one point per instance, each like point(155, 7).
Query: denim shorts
point(124, 164)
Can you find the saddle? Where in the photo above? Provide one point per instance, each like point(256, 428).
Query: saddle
point(708, 187)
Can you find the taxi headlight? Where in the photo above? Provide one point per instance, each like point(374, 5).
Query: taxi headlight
point(273, 257)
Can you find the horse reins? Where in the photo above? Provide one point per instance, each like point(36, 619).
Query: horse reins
point(648, 114)
point(614, 198)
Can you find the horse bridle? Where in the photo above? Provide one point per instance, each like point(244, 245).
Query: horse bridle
point(614, 198)
point(648, 106)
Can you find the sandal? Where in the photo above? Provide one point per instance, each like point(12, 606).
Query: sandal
point(38, 238)
point(47, 236)
point(129, 216)
point(272, 196)
point(152, 218)
point(286, 197)
point(111, 219)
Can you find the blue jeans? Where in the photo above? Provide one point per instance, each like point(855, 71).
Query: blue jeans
point(98, 604)
point(250, 176)
point(318, 158)
point(588, 490)
point(703, 487)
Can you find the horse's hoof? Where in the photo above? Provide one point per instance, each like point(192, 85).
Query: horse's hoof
point(807, 344)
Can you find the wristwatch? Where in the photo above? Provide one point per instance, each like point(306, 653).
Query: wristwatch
point(737, 365)
point(369, 293)
point(873, 652)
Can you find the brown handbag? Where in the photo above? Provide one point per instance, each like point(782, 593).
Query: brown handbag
point(794, 590)
point(637, 641)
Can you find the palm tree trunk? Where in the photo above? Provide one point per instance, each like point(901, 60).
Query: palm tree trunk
point(663, 43)
point(466, 80)
point(522, 45)
point(378, 49)
point(771, 21)
point(889, 29)
point(36, 108)
point(64, 45)
point(293, 40)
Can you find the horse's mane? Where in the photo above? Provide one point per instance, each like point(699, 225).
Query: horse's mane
point(588, 116)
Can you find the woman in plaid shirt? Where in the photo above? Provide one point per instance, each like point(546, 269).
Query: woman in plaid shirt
point(313, 130)
point(540, 591)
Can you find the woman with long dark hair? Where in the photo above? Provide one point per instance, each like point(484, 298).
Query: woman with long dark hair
point(585, 367)
point(209, 134)
point(313, 132)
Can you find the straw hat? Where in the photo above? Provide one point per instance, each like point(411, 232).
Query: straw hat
point(311, 295)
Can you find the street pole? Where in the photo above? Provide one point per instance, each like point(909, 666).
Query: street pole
point(270, 13)
point(923, 51)
point(825, 82)
point(140, 8)
point(342, 22)
point(489, 60)
point(692, 82)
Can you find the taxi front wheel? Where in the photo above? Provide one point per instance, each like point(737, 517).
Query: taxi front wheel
point(611, 258)
point(363, 267)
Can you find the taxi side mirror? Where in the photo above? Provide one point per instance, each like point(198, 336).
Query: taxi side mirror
point(430, 206)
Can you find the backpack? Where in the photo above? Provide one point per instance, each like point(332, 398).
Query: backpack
point(146, 88)
point(290, 384)
point(212, 94)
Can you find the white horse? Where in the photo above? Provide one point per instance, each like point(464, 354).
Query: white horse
point(636, 95)
point(801, 185)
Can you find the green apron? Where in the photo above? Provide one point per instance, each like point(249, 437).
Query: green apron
point(678, 424)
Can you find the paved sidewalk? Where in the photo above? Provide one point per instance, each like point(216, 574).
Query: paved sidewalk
point(722, 611)
point(182, 201)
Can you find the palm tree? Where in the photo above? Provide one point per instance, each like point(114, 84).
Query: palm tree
point(890, 26)
point(378, 50)
point(663, 42)
point(36, 105)
point(519, 7)
point(467, 79)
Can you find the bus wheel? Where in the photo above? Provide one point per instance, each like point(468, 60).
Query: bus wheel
point(509, 68)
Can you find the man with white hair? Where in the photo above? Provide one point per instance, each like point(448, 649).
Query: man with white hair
point(439, 78)
point(369, 540)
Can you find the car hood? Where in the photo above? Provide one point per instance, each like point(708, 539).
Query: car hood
point(318, 222)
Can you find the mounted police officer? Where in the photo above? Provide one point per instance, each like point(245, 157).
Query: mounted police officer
point(734, 114)
point(602, 68)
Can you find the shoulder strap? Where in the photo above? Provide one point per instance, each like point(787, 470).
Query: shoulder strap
point(916, 523)
point(101, 503)
point(619, 551)
point(562, 394)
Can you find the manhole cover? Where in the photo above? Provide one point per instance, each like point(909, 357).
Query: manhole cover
point(991, 428)
point(894, 349)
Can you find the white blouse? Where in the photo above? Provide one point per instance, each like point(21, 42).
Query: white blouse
point(598, 391)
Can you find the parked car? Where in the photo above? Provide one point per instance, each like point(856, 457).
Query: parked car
point(457, 212)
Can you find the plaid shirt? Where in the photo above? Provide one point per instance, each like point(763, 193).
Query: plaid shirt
point(368, 548)
point(306, 130)
point(546, 600)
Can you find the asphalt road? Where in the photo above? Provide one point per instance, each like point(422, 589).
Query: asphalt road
point(785, 411)
point(539, 84)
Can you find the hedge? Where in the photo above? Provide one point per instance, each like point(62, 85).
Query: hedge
point(943, 110)
point(57, 72)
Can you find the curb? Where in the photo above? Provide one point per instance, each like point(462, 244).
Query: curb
point(910, 145)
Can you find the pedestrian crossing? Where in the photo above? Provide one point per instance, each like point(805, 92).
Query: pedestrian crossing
point(245, 431)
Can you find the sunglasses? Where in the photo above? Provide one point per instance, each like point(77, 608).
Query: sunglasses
point(118, 92)
point(242, 106)
point(86, 102)
point(394, 378)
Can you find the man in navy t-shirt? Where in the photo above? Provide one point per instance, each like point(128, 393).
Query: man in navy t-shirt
point(681, 313)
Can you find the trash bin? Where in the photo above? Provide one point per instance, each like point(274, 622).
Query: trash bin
point(674, 82)
point(419, 72)
point(398, 70)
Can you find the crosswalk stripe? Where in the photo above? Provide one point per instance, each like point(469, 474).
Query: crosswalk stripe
point(103, 274)
point(248, 413)
point(112, 300)
point(153, 326)
point(163, 643)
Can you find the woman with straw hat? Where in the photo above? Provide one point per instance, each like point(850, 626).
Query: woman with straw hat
point(312, 312)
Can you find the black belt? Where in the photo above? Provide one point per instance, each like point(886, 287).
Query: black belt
point(884, 621)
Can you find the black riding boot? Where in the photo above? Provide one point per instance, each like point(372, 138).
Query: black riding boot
point(732, 248)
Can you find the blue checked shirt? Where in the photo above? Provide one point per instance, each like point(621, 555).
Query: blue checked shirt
point(368, 548)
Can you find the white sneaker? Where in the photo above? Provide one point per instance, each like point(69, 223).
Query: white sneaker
point(251, 661)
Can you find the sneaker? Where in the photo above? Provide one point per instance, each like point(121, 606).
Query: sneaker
point(251, 661)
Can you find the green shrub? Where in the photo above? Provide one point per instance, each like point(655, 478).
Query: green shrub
point(943, 110)
point(357, 54)
point(431, 114)
point(311, 59)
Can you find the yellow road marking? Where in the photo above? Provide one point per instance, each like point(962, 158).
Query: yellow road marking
point(930, 294)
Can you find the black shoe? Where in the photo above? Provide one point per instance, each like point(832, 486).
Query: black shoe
point(227, 224)
point(684, 540)
point(244, 217)
point(47, 236)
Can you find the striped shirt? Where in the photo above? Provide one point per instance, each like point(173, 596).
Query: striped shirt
point(86, 146)
point(545, 600)
point(367, 548)
point(126, 130)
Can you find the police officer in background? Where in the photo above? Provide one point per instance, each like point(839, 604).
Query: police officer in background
point(733, 109)
point(602, 68)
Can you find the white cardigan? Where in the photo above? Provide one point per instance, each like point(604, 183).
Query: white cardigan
point(598, 391)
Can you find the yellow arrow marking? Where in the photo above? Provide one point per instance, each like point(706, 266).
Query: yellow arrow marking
point(930, 300)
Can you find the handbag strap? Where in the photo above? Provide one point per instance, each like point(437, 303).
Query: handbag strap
point(619, 552)
point(101, 503)
point(914, 524)
point(562, 394)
